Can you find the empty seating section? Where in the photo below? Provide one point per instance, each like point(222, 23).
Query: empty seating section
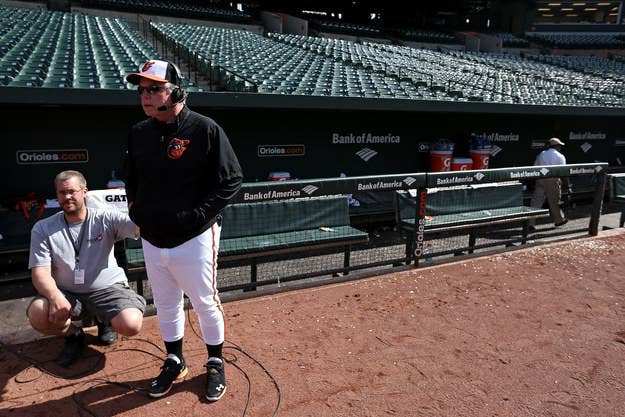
point(363, 71)
point(536, 82)
point(172, 8)
point(277, 65)
point(235, 56)
point(60, 73)
point(67, 50)
point(606, 74)
point(296, 64)
point(573, 40)
point(511, 41)
point(587, 64)
point(126, 49)
point(39, 48)
point(458, 75)
point(18, 43)
point(427, 36)
point(354, 29)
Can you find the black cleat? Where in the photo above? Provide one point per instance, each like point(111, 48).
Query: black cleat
point(215, 379)
point(171, 372)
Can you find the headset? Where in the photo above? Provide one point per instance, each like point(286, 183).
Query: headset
point(178, 94)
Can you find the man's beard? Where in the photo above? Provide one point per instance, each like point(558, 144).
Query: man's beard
point(77, 206)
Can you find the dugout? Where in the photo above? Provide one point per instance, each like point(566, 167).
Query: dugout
point(308, 136)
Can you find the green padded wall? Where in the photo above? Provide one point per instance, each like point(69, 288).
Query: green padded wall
point(249, 219)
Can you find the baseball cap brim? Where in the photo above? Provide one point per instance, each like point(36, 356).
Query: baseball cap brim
point(135, 78)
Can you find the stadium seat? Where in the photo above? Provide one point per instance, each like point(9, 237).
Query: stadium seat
point(60, 50)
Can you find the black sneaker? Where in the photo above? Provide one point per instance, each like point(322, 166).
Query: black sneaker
point(171, 372)
point(215, 379)
point(74, 345)
point(562, 223)
point(106, 334)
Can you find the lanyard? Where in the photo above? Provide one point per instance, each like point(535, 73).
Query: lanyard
point(76, 244)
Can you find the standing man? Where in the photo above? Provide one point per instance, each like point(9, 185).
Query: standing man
point(182, 171)
point(551, 188)
point(75, 272)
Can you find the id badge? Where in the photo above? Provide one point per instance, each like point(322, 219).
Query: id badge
point(79, 276)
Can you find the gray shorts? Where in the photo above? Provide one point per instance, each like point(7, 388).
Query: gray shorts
point(104, 304)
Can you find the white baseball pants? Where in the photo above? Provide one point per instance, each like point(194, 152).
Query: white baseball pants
point(190, 269)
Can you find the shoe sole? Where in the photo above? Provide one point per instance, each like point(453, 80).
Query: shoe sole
point(181, 376)
point(213, 399)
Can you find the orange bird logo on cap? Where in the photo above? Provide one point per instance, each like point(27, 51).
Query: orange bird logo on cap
point(147, 66)
point(176, 148)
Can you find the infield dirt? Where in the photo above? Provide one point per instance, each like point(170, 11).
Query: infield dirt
point(532, 332)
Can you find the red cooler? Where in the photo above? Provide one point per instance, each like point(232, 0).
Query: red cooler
point(480, 157)
point(440, 161)
point(461, 164)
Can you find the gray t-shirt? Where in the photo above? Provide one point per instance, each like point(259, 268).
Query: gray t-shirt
point(50, 245)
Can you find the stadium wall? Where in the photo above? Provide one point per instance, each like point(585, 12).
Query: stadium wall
point(309, 137)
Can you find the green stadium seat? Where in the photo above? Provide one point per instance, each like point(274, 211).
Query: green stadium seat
point(5, 79)
point(51, 83)
point(25, 83)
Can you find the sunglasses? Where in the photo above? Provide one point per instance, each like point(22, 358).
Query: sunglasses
point(153, 89)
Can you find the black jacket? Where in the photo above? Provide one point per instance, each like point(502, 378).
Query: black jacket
point(179, 177)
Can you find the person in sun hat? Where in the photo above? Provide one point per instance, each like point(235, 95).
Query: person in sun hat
point(181, 172)
point(551, 188)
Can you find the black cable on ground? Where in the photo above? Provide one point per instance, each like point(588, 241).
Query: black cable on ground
point(75, 396)
point(273, 380)
point(41, 366)
point(101, 381)
point(240, 349)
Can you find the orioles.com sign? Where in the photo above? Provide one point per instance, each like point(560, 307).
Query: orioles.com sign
point(281, 150)
point(52, 156)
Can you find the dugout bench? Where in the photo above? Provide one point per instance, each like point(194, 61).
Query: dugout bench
point(253, 232)
point(465, 209)
point(15, 228)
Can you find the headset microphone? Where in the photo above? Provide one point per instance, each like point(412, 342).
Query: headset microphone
point(178, 95)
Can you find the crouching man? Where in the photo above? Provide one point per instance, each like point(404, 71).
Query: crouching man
point(75, 273)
